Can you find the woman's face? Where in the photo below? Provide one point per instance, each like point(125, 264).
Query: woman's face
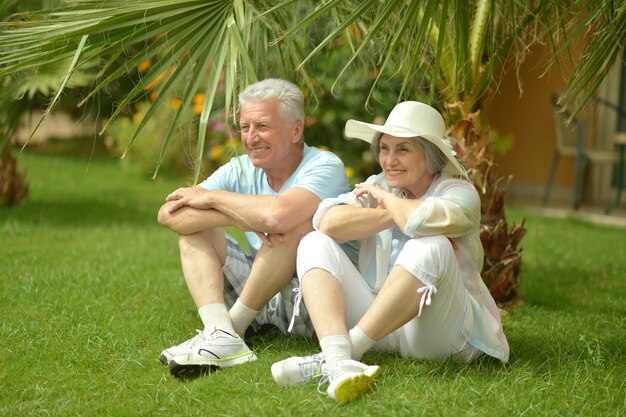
point(404, 165)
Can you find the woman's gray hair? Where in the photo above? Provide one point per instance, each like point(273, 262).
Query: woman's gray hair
point(436, 160)
point(289, 96)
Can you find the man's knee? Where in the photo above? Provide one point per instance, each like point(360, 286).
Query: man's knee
point(211, 242)
point(292, 238)
point(164, 216)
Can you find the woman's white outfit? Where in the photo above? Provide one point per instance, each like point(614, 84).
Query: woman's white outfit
point(441, 247)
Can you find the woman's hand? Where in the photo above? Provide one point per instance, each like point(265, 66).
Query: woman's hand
point(399, 209)
point(374, 191)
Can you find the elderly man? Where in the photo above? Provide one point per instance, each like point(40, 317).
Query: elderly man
point(271, 194)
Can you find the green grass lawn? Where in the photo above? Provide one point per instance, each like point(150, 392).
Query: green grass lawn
point(91, 291)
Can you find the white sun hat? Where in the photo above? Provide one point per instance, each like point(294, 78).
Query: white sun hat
point(410, 119)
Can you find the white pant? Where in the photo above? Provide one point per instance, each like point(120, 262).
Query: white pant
point(436, 333)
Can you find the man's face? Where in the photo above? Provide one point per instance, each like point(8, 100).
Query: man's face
point(268, 140)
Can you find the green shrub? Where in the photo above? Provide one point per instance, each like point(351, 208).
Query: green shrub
point(180, 155)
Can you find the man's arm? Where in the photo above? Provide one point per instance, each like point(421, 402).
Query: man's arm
point(261, 213)
point(270, 214)
point(187, 220)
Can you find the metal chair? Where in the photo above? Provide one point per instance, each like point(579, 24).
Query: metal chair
point(569, 142)
point(620, 142)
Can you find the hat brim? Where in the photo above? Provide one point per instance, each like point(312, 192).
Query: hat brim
point(367, 132)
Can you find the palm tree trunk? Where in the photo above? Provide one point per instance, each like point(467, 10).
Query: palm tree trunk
point(503, 256)
point(13, 186)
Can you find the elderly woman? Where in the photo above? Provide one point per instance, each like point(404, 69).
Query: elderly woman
point(416, 290)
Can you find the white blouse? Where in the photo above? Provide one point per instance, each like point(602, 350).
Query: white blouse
point(451, 207)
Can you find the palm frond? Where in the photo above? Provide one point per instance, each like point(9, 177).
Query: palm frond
point(605, 48)
point(57, 95)
point(462, 50)
point(188, 43)
point(453, 52)
point(477, 34)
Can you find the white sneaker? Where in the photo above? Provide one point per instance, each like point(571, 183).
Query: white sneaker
point(217, 349)
point(349, 379)
point(184, 348)
point(297, 370)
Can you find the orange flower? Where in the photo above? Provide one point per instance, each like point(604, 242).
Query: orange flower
point(337, 43)
point(216, 152)
point(155, 82)
point(175, 103)
point(311, 120)
point(143, 66)
point(198, 98)
point(349, 172)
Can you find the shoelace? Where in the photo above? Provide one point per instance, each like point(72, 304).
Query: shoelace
point(216, 333)
point(296, 307)
point(325, 379)
point(197, 338)
point(312, 367)
point(328, 376)
point(429, 291)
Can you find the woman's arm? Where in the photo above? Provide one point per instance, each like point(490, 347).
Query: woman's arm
point(453, 211)
point(399, 209)
point(346, 222)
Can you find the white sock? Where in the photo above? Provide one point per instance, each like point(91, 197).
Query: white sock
point(335, 348)
point(241, 316)
point(216, 315)
point(360, 342)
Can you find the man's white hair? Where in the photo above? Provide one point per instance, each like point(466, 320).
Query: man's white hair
point(289, 96)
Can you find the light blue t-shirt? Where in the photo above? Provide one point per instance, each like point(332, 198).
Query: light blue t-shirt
point(320, 172)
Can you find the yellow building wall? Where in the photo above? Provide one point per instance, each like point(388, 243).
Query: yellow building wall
point(528, 117)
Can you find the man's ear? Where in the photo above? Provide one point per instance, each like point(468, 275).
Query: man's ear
point(297, 131)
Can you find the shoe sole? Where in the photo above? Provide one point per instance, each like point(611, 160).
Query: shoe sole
point(352, 388)
point(197, 366)
point(190, 371)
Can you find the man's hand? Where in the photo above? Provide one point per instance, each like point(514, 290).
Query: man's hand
point(270, 238)
point(259, 213)
point(195, 197)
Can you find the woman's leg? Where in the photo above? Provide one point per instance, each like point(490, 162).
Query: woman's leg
point(427, 268)
point(335, 293)
point(396, 303)
point(324, 299)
